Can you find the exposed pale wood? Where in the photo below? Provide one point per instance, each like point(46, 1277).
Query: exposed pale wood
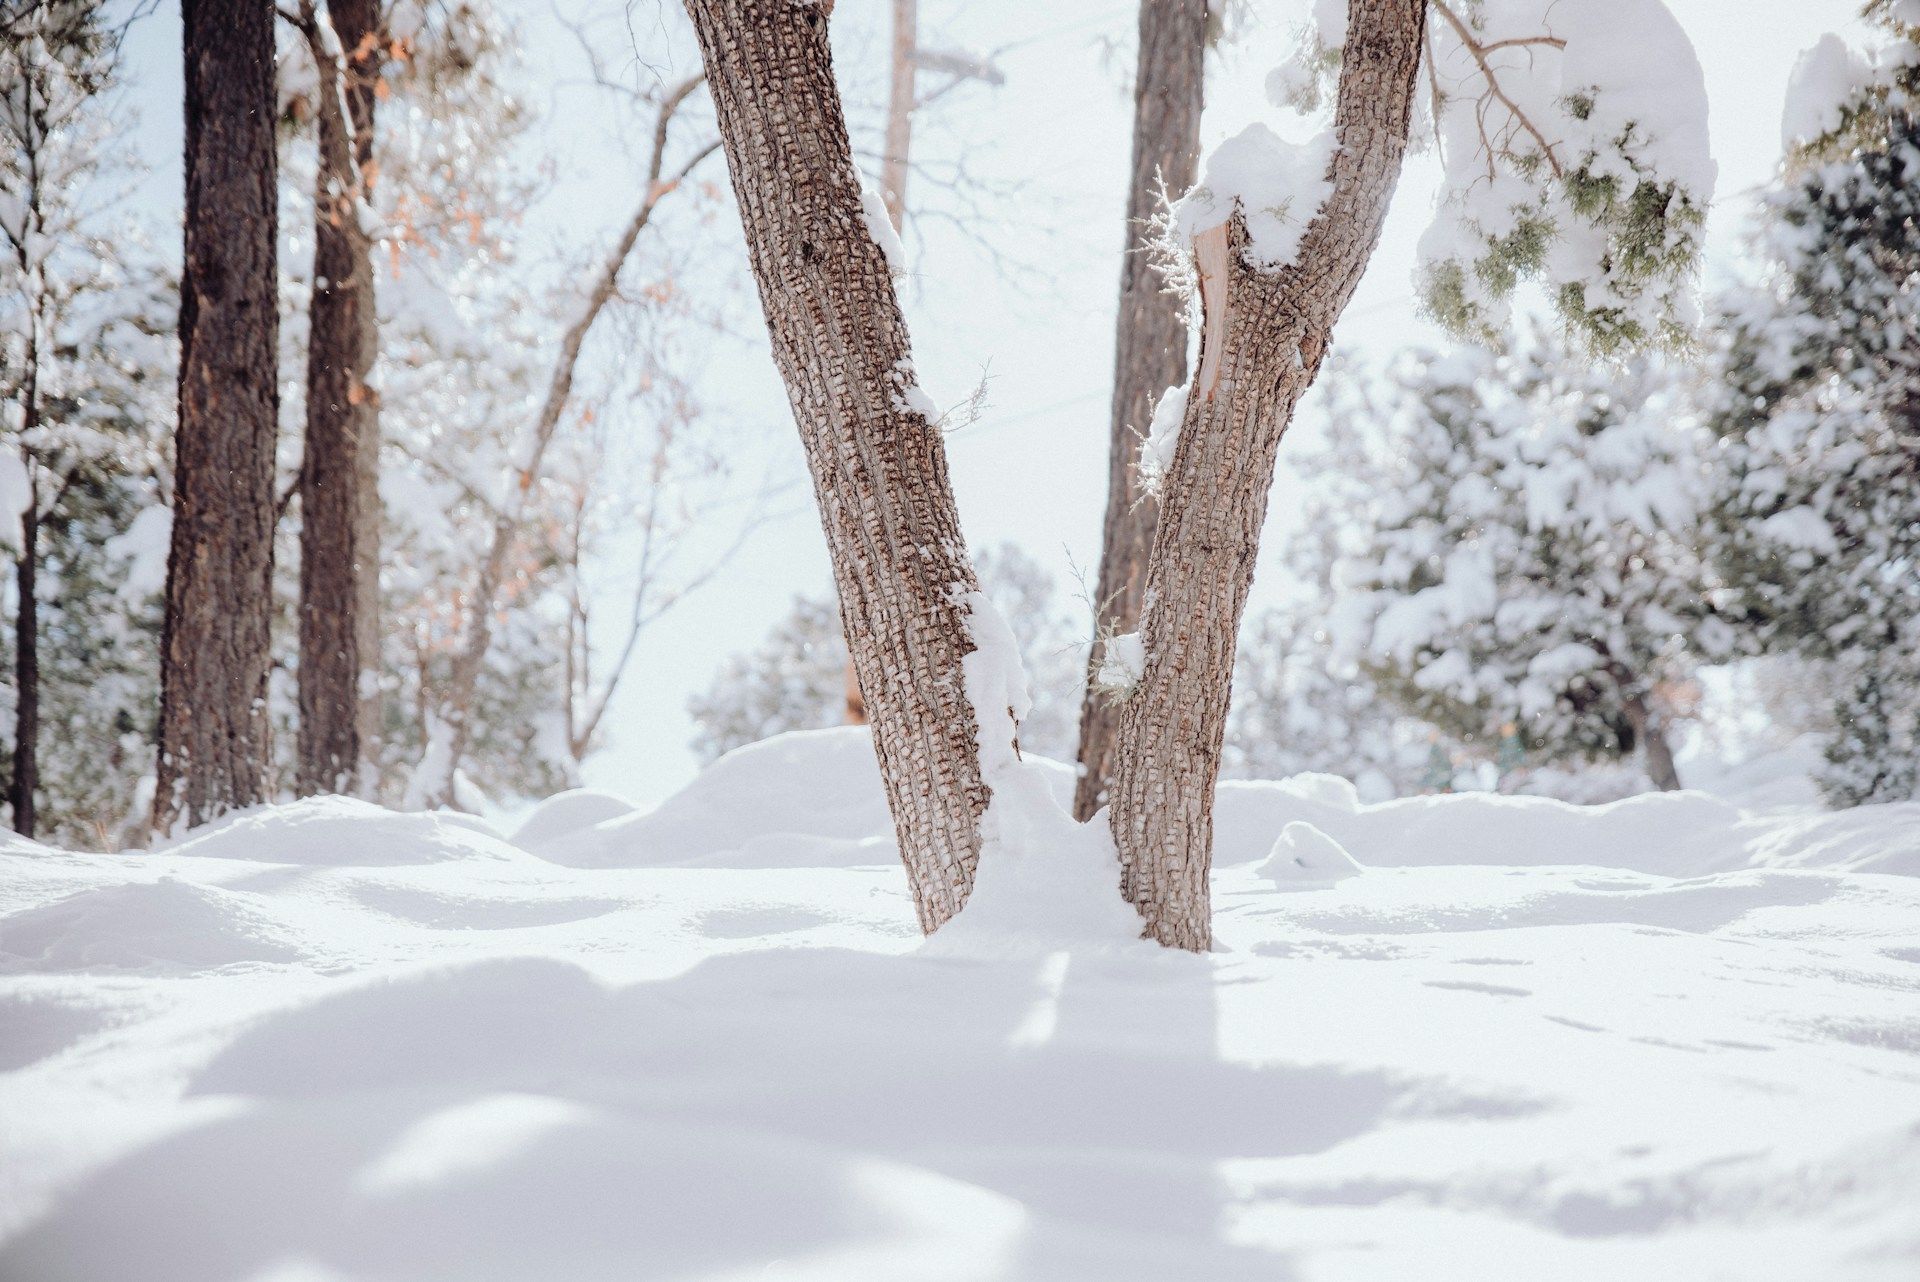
point(1210, 263)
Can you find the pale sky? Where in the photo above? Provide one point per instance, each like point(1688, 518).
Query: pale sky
point(1022, 295)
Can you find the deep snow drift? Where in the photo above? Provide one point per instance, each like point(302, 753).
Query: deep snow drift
point(1467, 1037)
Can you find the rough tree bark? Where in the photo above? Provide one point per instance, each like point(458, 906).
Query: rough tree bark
point(879, 466)
point(1150, 348)
point(1264, 338)
point(340, 470)
point(214, 644)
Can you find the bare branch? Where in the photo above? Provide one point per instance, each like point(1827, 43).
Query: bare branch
point(1479, 52)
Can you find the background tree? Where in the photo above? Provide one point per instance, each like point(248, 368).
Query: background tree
point(1817, 404)
point(215, 647)
point(339, 480)
point(58, 134)
point(1529, 552)
point(1150, 345)
point(449, 744)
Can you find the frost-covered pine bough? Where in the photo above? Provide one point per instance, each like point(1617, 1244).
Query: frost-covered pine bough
point(1816, 399)
point(1591, 144)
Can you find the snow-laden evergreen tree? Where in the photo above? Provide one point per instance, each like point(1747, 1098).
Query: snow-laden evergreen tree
point(795, 679)
point(1817, 403)
point(1527, 554)
point(86, 375)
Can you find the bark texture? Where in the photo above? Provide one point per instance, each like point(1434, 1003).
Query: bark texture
point(340, 470)
point(1273, 333)
point(879, 468)
point(214, 646)
point(1150, 348)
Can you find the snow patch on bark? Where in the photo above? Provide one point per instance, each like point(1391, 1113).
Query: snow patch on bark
point(1163, 435)
point(1277, 185)
point(1043, 879)
point(910, 398)
point(873, 210)
point(1122, 661)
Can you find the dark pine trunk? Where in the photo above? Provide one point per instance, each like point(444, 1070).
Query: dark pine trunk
point(1150, 348)
point(339, 475)
point(26, 667)
point(214, 647)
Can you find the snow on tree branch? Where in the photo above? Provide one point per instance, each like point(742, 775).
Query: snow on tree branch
point(1572, 136)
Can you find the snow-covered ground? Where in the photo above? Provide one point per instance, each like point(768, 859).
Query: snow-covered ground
point(1467, 1037)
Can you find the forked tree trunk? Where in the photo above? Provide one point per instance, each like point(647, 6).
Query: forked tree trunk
point(214, 645)
point(1150, 348)
point(1264, 337)
point(339, 474)
point(879, 466)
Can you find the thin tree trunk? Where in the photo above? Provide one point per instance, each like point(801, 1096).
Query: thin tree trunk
point(339, 475)
point(1150, 348)
point(879, 466)
point(26, 668)
point(900, 105)
point(1263, 341)
point(1656, 753)
point(214, 645)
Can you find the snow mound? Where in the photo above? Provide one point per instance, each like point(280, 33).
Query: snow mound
point(1659, 1039)
point(1305, 856)
point(810, 798)
point(567, 813)
point(1680, 834)
point(138, 925)
point(342, 832)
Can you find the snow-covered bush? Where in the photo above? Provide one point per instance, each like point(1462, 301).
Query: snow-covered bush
point(1527, 554)
point(1816, 399)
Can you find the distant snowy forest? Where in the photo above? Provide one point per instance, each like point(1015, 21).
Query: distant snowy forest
point(1614, 518)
